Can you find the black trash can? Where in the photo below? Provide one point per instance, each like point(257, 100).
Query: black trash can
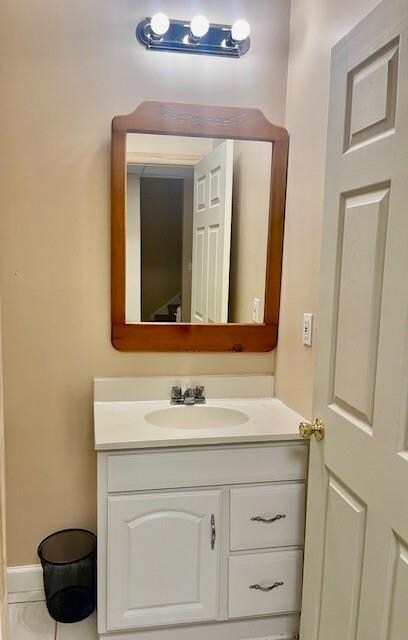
point(68, 559)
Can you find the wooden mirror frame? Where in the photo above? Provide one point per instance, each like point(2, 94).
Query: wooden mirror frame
point(197, 121)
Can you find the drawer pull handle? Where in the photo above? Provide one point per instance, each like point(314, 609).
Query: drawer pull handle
point(213, 532)
point(268, 520)
point(273, 586)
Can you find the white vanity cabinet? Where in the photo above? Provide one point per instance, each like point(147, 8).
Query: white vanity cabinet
point(201, 542)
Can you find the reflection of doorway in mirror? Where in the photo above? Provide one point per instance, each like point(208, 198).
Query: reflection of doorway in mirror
point(159, 246)
point(161, 264)
point(161, 224)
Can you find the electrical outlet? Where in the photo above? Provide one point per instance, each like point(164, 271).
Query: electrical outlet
point(255, 310)
point(307, 329)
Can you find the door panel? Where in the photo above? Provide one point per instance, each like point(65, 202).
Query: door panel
point(398, 620)
point(214, 240)
point(362, 238)
point(357, 518)
point(372, 96)
point(212, 235)
point(162, 568)
point(198, 300)
point(3, 559)
point(215, 186)
point(343, 562)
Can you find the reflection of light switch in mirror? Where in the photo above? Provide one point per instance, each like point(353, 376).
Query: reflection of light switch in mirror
point(255, 310)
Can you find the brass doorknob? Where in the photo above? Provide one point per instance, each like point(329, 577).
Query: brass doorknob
point(308, 430)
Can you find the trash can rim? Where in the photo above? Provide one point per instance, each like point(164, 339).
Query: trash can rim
point(73, 560)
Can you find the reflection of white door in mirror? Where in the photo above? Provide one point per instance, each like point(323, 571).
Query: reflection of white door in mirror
point(212, 235)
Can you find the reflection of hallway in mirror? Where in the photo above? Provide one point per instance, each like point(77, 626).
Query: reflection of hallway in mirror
point(161, 224)
point(159, 242)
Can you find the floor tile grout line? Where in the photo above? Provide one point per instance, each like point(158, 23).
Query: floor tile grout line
point(28, 601)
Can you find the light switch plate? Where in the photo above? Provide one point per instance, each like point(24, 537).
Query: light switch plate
point(255, 310)
point(307, 329)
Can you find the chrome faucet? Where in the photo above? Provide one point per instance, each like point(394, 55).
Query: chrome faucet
point(192, 395)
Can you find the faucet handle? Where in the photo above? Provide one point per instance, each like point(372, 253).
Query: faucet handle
point(189, 396)
point(199, 394)
point(176, 395)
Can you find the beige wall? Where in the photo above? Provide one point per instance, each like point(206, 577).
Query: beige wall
point(249, 237)
point(316, 25)
point(66, 69)
point(176, 149)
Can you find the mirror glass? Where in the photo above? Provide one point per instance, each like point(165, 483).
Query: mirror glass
point(197, 212)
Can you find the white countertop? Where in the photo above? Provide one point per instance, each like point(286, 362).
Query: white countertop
point(122, 425)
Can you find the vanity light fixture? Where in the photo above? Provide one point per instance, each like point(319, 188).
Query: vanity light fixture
point(158, 33)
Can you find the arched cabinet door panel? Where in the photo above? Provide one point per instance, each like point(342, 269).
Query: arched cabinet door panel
point(163, 558)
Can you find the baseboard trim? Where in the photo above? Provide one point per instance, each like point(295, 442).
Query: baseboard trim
point(25, 584)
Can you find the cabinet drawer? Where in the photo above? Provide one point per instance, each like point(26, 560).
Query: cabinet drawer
point(279, 511)
point(206, 467)
point(281, 570)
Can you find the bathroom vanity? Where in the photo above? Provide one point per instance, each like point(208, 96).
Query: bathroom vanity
point(201, 508)
point(201, 511)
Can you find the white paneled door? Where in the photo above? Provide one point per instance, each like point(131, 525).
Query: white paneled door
point(356, 559)
point(3, 561)
point(163, 558)
point(212, 235)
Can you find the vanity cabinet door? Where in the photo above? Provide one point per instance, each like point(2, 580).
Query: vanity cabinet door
point(163, 558)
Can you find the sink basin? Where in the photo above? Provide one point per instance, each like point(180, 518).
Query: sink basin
point(196, 417)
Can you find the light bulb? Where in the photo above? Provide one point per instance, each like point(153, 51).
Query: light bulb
point(159, 24)
point(199, 26)
point(240, 30)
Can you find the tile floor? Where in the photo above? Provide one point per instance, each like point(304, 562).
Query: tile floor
point(31, 621)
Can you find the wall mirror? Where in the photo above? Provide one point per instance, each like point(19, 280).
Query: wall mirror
point(198, 196)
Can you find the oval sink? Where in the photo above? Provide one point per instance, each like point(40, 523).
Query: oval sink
point(196, 417)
